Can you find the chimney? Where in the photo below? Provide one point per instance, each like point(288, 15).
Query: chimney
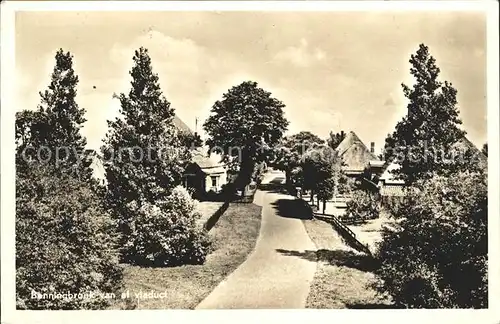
point(372, 147)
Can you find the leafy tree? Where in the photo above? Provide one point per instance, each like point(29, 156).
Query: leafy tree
point(436, 256)
point(289, 152)
point(51, 133)
point(335, 139)
point(244, 126)
point(143, 157)
point(191, 141)
point(484, 150)
point(65, 242)
point(322, 171)
point(153, 243)
point(363, 206)
point(422, 141)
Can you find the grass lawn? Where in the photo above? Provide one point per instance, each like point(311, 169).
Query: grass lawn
point(207, 209)
point(185, 287)
point(371, 232)
point(343, 276)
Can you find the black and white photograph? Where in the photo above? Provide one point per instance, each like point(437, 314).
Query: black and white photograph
point(337, 157)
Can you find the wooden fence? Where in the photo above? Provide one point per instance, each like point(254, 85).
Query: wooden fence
point(345, 232)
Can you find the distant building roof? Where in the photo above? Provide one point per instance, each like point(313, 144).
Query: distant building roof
point(389, 178)
point(464, 144)
point(181, 126)
point(208, 164)
point(354, 153)
point(377, 163)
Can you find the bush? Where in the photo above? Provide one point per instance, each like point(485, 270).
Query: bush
point(258, 172)
point(392, 203)
point(363, 206)
point(65, 242)
point(438, 257)
point(166, 233)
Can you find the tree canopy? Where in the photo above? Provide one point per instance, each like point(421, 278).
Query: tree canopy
point(335, 139)
point(52, 133)
point(59, 215)
point(244, 126)
point(422, 141)
point(289, 152)
point(322, 172)
point(143, 157)
point(437, 256)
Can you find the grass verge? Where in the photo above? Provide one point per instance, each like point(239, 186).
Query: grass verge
point(184, 287)
point(343, 276)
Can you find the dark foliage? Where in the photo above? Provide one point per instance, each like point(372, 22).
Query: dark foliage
point(437, 255)
point(335, 139)
point(65, 242)
point(363, 206)
point(423, 140)
point(246, 124)
point(144, 161)
point(165, 233)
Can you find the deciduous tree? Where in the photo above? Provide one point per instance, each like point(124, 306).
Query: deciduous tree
point(322, 171)
point(245, 125)
point(422, 141)
point(437, 255)
point(289, 152)
point(335, 139)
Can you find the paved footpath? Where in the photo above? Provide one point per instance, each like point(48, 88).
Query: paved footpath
point(269, 279)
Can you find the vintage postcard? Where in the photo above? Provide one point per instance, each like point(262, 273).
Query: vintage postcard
point(162, 159)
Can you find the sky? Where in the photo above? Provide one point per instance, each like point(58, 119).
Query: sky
point(333, 70)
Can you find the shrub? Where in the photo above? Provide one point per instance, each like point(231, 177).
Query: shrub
point(65, 242)
point(166, 233)
point(258, 172)
point(438, 256)
point(392, 204)
point(363, 206)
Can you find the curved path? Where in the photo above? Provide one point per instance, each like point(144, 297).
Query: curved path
point(270, 278)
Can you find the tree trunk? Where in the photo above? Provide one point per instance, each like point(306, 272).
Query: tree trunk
point(324, 206)
point(312, 196)
point(288, 180)
point(246, 170)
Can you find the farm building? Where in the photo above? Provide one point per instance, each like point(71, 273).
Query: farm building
point(464, 145)
point(205, 174)
point(388, 183)
point(356, 156)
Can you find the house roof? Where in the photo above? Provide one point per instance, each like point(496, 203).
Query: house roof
point(464, 144)
point(377, 163)
point(181, 126)
point(354, 153)
point(208, 164)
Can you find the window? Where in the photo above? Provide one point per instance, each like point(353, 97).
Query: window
point(214, 181)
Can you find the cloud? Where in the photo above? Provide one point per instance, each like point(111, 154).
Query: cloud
point(191, 76)
point(300, 55)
